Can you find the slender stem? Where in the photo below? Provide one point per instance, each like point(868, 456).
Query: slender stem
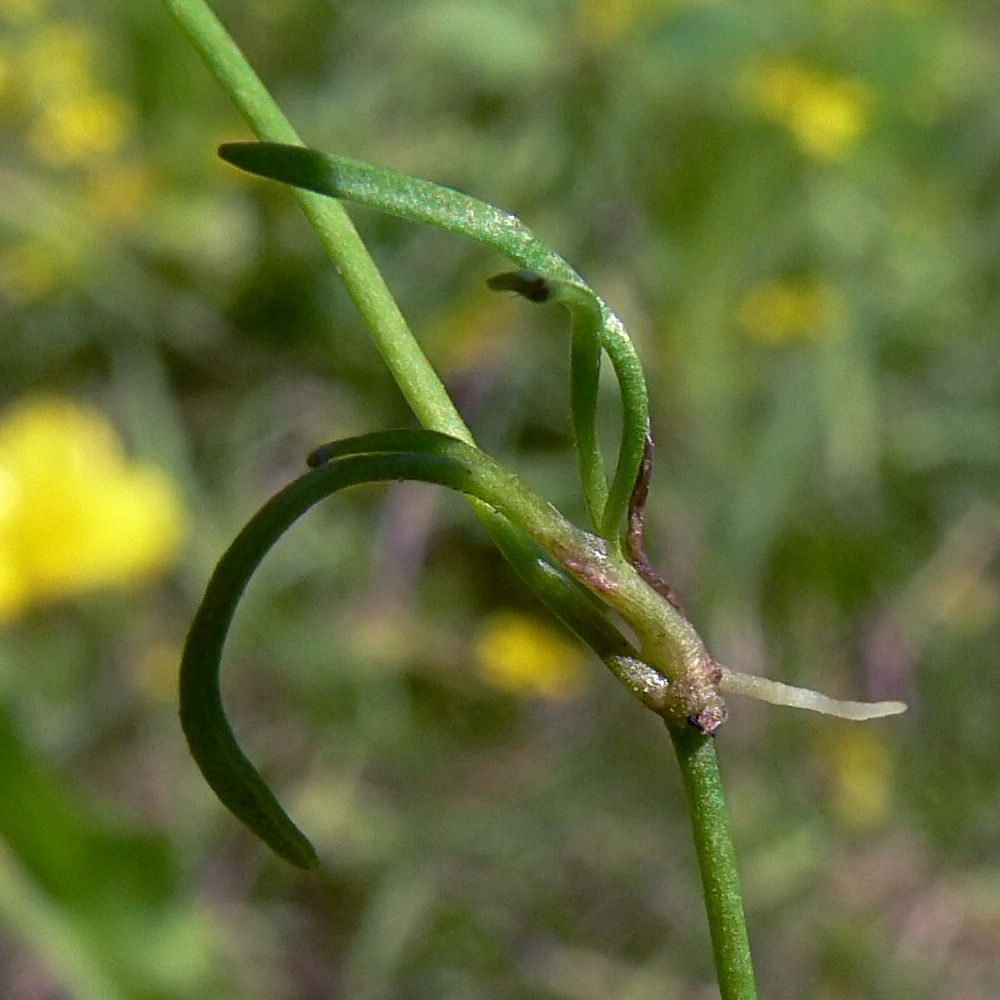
point(429, 400)
point(720, 878)
point(403, 356)
point(413, 373)
point(417, 380)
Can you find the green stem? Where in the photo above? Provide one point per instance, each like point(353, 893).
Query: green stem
point(430, 402)
point(720, 877)
point(413, 373)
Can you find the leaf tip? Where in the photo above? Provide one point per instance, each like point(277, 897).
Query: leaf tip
point(529, 284)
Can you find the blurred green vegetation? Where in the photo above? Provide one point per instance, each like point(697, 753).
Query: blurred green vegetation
point(794, 207)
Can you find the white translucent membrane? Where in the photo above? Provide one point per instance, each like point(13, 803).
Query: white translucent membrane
point(776, 693)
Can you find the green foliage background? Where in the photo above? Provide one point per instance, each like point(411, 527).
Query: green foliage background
point(825, 501)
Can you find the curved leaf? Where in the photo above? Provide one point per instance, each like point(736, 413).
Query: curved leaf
point(420, 200)
point(433, 458)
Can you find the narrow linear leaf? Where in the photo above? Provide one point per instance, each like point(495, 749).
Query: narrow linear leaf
point(442, 460)
point(419, 200)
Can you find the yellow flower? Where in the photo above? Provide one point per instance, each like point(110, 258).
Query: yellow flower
point(827, 115)
point(861, 769)
point(75, 515)
point(789, 310)
point(58, 61)
point(80, 128)
point(22, 10)
point(519, 653)
point(6, 75)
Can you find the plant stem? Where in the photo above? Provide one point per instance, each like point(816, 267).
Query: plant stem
point(417, 380)
point(720, 878)
point(413, 373)
point(429, 400)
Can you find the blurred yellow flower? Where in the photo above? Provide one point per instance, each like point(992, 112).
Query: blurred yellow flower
point(519, 653)
point(80, 128)
point(22, 10)
point(789, 310)
point(861, 771)
point(75, 514)
point(28, 271)
point(827, 115)
point(58, 61)
point(6, 75)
